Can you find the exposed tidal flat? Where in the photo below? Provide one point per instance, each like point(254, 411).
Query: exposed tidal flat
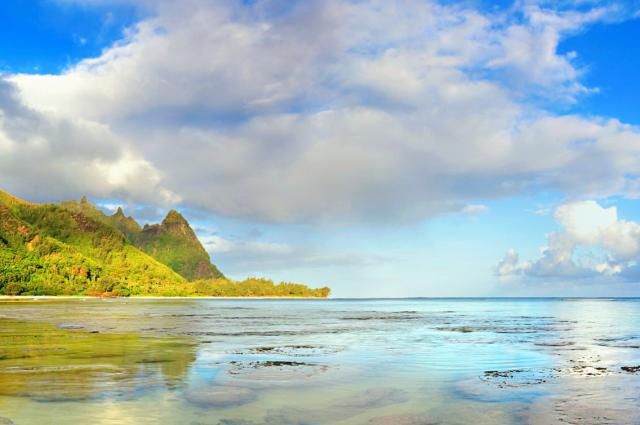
point(306, 362)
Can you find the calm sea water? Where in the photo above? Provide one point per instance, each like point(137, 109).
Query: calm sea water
point(267, 362)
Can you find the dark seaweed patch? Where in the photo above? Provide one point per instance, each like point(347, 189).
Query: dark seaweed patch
point(554, 343)
point(515, 377)
point(275, 369)
point(291, 350)
point(399, 315)
point(620, 342)
point(461, 329)
point(303, 332)
point(630, 369)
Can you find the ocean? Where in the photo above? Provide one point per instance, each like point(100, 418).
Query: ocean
point(317, 362)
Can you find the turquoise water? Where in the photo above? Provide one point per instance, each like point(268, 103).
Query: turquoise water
point(303, 362)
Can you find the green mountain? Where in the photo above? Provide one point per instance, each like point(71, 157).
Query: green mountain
point(127, 225)
point(174, 243)
point(75, 249)
point(49, 249)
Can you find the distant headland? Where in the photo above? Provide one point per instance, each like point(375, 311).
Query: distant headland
point(74, 249)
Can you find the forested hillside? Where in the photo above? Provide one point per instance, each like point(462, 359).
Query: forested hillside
point(75, 249)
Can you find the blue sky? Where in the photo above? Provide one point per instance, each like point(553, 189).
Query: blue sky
point(45, 36)
point(382, 148)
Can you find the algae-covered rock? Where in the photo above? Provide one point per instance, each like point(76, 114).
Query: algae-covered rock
point(403, 420)
point(220, 396)
point(48, 363)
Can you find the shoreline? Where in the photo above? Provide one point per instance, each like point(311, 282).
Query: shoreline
point(87, 297)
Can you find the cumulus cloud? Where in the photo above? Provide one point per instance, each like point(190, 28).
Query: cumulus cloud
point(510, 264)
point(592, 241)
point(341, 110)
point(50, 157)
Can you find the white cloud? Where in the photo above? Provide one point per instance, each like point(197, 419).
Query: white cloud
point(510, 264)
point(109, 207)
point(529, 49)
point(474, 209)
point(249, 256)
point(52, 157)
point(339, 110)
point(592, 241)
point(216, 244)
point(586, 220)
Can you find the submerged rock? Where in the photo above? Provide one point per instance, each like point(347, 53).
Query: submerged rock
point(220, 396)
point(480, 390)
point(403, 420)
point(598, 401)
point(5, 421)
point(376, 397)
point(341, 409)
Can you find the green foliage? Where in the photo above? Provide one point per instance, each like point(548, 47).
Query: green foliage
point(75, 249)
point(175, 244)
point(256, 287)
point(50, 250)
point(172, 242)
point(10, 201)
point(127, 225)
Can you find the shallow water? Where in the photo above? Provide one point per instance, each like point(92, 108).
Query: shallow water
point(303, 362)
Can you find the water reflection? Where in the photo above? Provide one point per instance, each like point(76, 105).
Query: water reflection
point(248, 362)
point(48, 363)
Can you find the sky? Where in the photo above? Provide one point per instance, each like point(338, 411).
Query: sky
point(383, 148)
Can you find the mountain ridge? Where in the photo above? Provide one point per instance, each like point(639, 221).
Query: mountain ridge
point(73, 248)
point(174, 243)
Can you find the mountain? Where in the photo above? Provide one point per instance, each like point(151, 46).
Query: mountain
point(75, 249)
point(174, 243)
point(50, 249)
point(127, 225)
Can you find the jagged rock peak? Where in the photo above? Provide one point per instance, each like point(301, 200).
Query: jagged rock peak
point(174, 216)
point(176, 224)
point(119, 212)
